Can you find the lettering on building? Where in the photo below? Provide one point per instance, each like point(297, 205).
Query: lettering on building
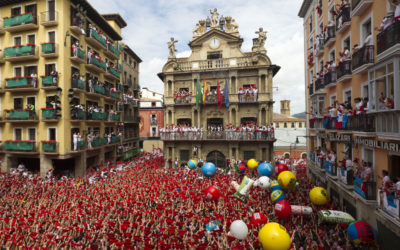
point(389, 146)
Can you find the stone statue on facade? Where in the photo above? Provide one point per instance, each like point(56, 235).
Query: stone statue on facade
point(214, 18)
point(262, 37)
point(196, 31)
point(171, 47)
point(231, 26)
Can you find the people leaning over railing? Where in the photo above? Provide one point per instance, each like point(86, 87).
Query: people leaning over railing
point(93, 109)
point(75, 111)
point(248, 94)
point(182, 96)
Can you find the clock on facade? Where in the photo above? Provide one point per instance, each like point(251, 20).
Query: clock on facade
point(214, 43)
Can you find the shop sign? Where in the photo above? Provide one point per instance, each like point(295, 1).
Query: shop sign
point(340, 137)
point(390, 146)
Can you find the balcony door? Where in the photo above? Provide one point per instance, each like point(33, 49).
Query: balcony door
point(51, 5)
point(215, 122)
point(248, 120)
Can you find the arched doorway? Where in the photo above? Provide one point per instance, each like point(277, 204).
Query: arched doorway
point(217, 158)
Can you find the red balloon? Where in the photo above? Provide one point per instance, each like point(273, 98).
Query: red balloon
point(280, 167)
point(258, 219)
point(283, 209)
point(212, 193)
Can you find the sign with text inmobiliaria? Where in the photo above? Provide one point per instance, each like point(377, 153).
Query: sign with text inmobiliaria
point(390, 146)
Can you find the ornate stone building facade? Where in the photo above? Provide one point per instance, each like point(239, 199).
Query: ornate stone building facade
point(217, 59)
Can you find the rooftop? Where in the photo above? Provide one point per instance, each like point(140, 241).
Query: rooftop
point(285, 118)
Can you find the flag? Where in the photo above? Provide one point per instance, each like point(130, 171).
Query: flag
point(219, 96)
point(205, 92)
point(198, 93)
point(226, 93)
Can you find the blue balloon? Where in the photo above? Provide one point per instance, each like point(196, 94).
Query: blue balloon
point(208, 169)
point(265, 169)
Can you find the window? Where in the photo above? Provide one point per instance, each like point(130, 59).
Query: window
point(184, 155)
point(17, 71)
point(52, 36)
point(214, 55)
point(347, 96)
point(300, 124)
point(346, 44)
point(49, 68)
point(134, 65)
point(364, 91)
point(18, 103)
point(16, 11)
point(311, 75)
point(52, 134)
point(277, 125)
point(31, 100)
point(333, 99)
point(247, 155)
point(32, 134)
point(31, 9)
point(130, 61)
point(368, 156)
point(285, 125)
point(17, 40)
point(125, 57)
point(311, 22)
point(332, 56)
point(293, 125)
point(154, 94)
point(366, 29)
point(18, 134)
point(331, 13)
point(31, 39)
point(29, 70)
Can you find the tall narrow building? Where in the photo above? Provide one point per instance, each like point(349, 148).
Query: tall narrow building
point(244, 80)
point(352, 68)
point(61, 90)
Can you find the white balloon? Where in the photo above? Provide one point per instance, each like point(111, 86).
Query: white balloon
point(264, 182)
point(239, 229)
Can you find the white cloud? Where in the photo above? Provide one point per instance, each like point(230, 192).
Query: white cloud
point(152, 23)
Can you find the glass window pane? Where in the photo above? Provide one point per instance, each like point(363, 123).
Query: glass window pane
point(390, 67)
point(380, 72)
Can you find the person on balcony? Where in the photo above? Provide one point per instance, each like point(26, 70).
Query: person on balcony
point(54, 74)
point(241, 92)
point(75, 141)
point(386, 22)
point(34, 79)
point(396, 5)
point(344, 56)
point(89, 56)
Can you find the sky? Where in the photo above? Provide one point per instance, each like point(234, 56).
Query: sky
point(151, 23)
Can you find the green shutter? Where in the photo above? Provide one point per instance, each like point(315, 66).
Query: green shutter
point(48, 48)
point(17, 20)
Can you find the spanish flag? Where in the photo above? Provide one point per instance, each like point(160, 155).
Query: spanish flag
point(205, 92)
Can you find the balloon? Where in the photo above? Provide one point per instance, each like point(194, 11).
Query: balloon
point(274, 236)
point(265, 169)
point(275, 185)
point(361, 231)
point(208, 169)
point(212, 193)
point(319, 196)
point(252, 164)
point(301, 210)
point(277, 195)
point(282, 209)
point(263, 182)
point(258, 219)
point(287, 179)
point(239, 229)
point(241, 168)
point(334, 216)
point(244, 188)
point(280, 167)
point(192, 164)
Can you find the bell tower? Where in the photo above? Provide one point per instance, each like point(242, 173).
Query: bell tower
point(285, 107)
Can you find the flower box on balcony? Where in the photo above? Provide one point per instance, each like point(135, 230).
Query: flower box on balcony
point(47, 81)
point(114, 94)
point(18, 82)
point(26, 146)
point(48, 113)
point(18, 114)
point(48, 47)
point(17, 20)
point(19, 50)
point(99, 116)
point(49, 146)
point(98, 37)
point(99, 89)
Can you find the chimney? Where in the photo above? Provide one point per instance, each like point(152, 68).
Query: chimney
point(285, 107)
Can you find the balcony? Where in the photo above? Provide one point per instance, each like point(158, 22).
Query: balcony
point(320, 48)
point(360, 6)
point(330, 79)
point(366, 189)
point(319, 84)
point(343, 20)
point(153, 122)
point(218, 136)
point(21, 53)
point(20, 146)
point(50, 115)
point(99, 89)
point(2, 31)
point(115, 139)
point(96, 40)
point(49, 82)
point(331, 36)
point(49, 147)
point(361, 123)
point(49, 50)
point(114, 117)
point(78, 84)
point(346, 177)
point(21, 84)
point(389, 203)
point(78, 56)
point(21, 116)
point(49, 18)
point(114, 94)
point(363, 59)
point(112, 74)
point(331, 169)
point(98, 142)
point(388, 41)
point(224, 63)
point(97, 116)
point(112, 52)
point(388, 124)
point(20, 23)
point(78, 115)
point(96, 66)
point(343, 71)
point(245, 98)
point(77, 25)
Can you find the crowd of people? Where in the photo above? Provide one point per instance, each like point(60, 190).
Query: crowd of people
point(248, 93)
point(247, 131)
point(182, 96)
point(141, 204)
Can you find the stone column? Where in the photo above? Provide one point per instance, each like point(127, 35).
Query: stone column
point(230, 116)
point(45, 165)
point(173, 117)
point(80, 165)
point(6, 163)
point(260, 122)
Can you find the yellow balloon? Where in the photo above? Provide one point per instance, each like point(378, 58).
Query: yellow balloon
point(319, 196)
point(252, 164)
point(287, 180)
point(274, 236)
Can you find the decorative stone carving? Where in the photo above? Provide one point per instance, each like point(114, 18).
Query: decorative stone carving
point(171, 47)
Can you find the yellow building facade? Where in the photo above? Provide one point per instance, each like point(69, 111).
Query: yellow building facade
point(58, 60)
point(351, 52)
